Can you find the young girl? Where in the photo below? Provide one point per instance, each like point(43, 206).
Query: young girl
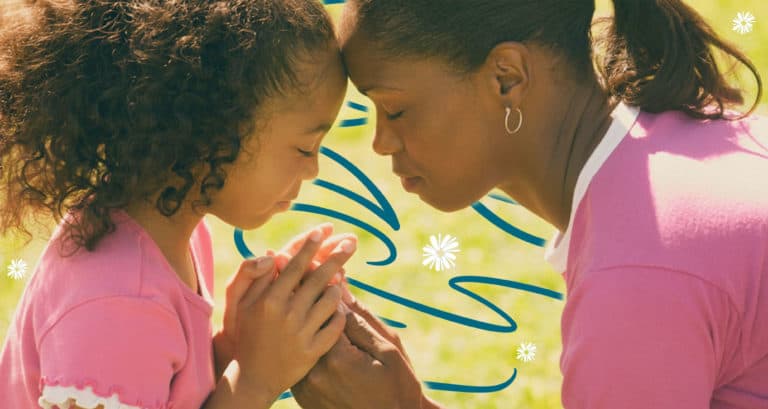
point(139, 118)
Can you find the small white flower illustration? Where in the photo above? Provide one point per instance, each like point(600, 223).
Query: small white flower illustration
point(439, 254)
point(526, 352)
point(742, 24)
point(17, 269)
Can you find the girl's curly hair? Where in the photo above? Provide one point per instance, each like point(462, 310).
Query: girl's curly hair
point(103, 102)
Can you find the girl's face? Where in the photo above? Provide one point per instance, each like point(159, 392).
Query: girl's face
point(283, 152)
point(441, 129)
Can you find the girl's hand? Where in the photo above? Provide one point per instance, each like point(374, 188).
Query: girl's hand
point(224, 341)
point(284, 326)
point(329, 243)
point(238, 284)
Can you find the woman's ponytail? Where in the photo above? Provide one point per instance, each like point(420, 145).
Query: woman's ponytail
point(659, 57)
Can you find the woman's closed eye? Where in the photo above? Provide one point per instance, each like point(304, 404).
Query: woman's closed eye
point(393, 117)
point(309, 154)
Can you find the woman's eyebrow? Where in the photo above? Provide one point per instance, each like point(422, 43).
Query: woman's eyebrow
point(320, 128)
point(365, 90)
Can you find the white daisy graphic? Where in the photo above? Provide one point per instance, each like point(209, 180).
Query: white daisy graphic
point(742, 24)
point(526, 352)
point(439, 254)
point(17, 269)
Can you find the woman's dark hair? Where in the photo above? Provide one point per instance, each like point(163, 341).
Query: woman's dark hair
point(103, 102)
point(658, 54)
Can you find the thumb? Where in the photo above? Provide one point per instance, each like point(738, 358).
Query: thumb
point(362, 335)
point(373, 321)
point(251, 270)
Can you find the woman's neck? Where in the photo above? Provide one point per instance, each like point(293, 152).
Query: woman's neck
point(565, 135)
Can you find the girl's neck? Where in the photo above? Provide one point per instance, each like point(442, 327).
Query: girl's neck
point(171, 235)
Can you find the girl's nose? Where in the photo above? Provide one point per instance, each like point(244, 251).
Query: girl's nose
point(312, 169)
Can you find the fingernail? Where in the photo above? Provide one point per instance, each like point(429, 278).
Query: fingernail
point(346, 295)
point(281, 263)
point(316, 236)
point(263, 262)
point(336, 279)
point(343, 308)
point(348, 246)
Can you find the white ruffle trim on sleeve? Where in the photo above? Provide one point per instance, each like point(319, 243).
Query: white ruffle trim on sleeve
point(66, 396)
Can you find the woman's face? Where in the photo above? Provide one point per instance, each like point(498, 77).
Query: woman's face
point(439, 127)
point(283, 151)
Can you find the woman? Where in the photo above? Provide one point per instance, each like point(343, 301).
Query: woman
point(658, 191)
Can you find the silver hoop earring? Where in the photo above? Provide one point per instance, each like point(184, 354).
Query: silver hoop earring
point(519, 125)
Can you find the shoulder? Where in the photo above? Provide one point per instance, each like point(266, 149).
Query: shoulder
point(683, 194)
point(122, 267)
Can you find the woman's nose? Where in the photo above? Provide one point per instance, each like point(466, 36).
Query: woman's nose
point(385, 141)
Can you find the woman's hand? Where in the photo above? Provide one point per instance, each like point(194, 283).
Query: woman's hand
point(285, 324)
point(364, 369)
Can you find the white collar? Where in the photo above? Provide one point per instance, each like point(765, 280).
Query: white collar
point(624, 117)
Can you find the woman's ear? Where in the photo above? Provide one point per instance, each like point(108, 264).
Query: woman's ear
point(508, 73)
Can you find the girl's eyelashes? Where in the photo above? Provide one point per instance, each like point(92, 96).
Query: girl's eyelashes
point(393, 117)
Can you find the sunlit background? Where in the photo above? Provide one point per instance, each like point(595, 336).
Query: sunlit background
point(441, 350)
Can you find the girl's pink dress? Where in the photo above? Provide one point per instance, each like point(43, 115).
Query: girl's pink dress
point(116, 327)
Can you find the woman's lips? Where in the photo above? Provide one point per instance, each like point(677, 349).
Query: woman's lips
point(411, 183)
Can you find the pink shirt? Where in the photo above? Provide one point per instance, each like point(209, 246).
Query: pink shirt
point(666, 267)
point(118, 321)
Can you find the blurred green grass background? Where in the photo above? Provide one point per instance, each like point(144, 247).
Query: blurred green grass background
point(441, 351)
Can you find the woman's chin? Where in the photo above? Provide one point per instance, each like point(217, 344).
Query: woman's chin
point(445, 205)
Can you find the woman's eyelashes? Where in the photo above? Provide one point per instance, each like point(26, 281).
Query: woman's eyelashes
point(309, 154)
point(393, 117)
point(386, 109)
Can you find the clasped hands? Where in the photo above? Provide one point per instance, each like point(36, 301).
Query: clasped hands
point(367, 366)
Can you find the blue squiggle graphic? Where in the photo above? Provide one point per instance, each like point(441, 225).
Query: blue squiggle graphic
point(386, 212)
point(451, 387)
point(392, 323)
point(300, 207)
point(439, 386)
point(455, 283)
point(503, 225)
point(502, 198)
point(348, 123)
